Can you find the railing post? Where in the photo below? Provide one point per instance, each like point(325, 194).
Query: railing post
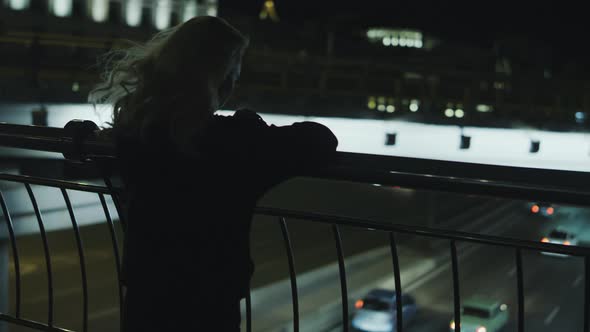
point(586, 293)
point(4, 279)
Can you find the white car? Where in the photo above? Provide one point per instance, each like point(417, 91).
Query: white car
point(560, 236)
point(482, 315)
point(377, 311)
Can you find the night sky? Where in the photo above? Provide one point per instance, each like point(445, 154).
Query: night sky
point(563, 26)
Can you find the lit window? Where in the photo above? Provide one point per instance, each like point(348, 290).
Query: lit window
point(99, 10)
point(268, 11)
point(133, 12)
point(162, 13)
point(396, 37)
point(19, 4)
point(483, 108)
point(449, 113)
point(61, 8)
point(371, 104)
point(580, 117)
point(212, 10)
point(189, 10)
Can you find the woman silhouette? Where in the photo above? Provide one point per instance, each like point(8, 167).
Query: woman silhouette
point(193, 178)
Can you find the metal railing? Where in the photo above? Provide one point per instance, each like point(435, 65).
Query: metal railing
point(78, 143)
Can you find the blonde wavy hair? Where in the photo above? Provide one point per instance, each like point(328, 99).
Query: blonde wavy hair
point(176, 80)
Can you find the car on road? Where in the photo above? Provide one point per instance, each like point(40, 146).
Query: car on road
point(560, 236)
point(542, 209)
point(480, 314)
point(376, 312)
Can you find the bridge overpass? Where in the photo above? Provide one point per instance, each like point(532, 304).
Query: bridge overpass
point(524, 147)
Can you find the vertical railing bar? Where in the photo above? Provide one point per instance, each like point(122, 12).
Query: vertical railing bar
point(123, 222)
point(116, 253)
point(46, 252)
point(342, 274)
point(248, 311)
point(520, 290)
point(586, 293)
point(456, 289)
point(82, 259)
point(398, 283)
point(117, 203)
point(292, 274)
point(15, 256)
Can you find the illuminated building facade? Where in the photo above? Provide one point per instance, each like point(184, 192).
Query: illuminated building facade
point(321, 68)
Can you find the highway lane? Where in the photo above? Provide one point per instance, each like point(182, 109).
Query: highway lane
point(319, 290)
point(553, 285)
point(553, 297)
point(67, 281)
point(314, 247)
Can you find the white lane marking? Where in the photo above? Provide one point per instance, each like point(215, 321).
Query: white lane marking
point(578, 280)
point(460, 257)
point(512, 272)
point(551, 315)
point(463, 254)
point(433, 274)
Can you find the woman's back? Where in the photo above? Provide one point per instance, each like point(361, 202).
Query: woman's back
point(189, 217)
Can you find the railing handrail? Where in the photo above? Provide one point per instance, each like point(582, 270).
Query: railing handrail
point(78, 141)
point(558, 186)
point(52, 139)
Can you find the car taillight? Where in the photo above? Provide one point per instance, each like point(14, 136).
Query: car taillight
point(550, 210)
point(545, 240)
point(359, 304)
point(535, 208)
